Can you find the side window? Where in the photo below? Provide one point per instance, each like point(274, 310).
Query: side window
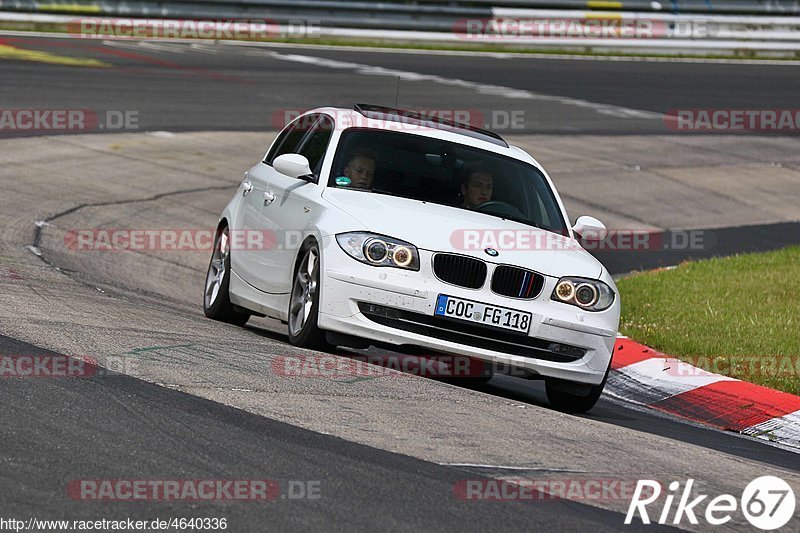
point(317, 142)
point(289, 139)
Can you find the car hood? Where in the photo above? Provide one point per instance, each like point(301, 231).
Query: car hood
point(441, 228)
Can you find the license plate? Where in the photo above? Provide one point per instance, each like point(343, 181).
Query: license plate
point(485, 314)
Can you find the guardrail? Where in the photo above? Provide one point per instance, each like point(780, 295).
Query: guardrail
point(429, 7)
point(670, 25)
point(753, 7)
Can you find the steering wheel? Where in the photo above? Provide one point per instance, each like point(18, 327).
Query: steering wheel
point(496, 207)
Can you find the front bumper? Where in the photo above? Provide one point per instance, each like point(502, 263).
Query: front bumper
point(355, 298)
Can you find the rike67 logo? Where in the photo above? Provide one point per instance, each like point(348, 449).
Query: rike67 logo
point(768, 503)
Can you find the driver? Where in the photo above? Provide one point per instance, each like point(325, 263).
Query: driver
point(476, 185)
point(360, 168)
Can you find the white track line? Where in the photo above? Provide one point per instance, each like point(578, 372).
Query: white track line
point(482, 88)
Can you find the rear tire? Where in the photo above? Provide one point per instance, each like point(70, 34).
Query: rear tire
point(216, 298)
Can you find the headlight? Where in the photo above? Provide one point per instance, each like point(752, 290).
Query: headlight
point(588, 294)
point(378, 250)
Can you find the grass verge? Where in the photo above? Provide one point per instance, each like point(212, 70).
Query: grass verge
point(738, 316)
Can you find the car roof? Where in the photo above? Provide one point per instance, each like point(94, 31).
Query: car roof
point(416, 118)
point(405, 121)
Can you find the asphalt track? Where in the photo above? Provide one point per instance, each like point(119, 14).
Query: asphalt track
point(186, 87)
point(124, 427)
point(119, 427)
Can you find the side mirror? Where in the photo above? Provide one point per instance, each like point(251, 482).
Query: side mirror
point(293, 165)
point(589, 228)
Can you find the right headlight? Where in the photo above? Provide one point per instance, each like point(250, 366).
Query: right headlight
point(379, 250)
point(588, 294)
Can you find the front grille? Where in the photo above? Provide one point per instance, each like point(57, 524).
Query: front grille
point(477, 336)
point(460, 270)
point(517, 282)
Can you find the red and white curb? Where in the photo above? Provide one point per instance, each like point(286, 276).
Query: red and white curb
point(647, 377)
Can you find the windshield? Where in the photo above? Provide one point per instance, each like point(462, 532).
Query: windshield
point(441, 172)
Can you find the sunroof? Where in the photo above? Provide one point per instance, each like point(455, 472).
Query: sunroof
point(431, 121)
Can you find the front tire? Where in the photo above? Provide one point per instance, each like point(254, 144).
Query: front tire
point(570, 398)
point(216, 299)
point(304, 302)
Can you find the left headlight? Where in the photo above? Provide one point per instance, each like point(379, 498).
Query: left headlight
point(588, 294)
point(379, 250)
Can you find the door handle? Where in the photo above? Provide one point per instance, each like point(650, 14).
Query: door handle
point(246, 188)
point(268, 198)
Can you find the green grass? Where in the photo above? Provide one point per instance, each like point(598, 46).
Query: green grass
point(735, 316)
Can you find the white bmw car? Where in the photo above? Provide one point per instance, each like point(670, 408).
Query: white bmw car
point(399, 230)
